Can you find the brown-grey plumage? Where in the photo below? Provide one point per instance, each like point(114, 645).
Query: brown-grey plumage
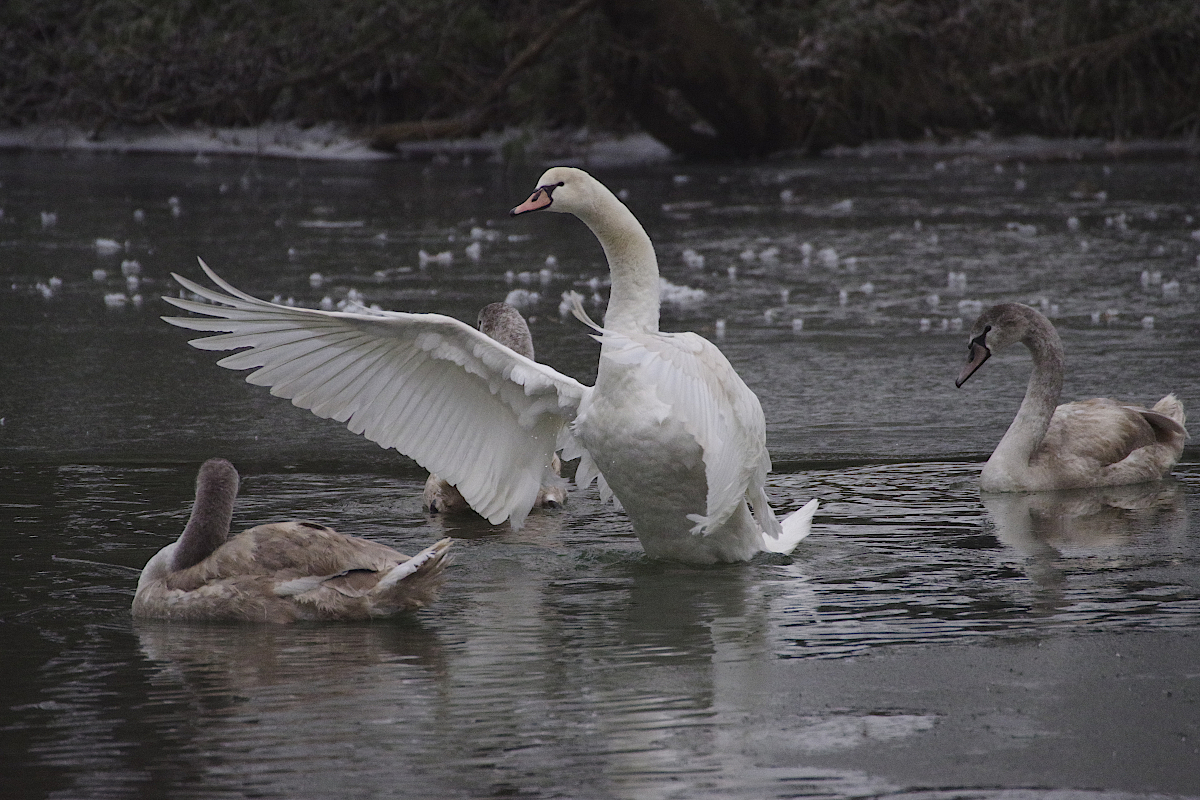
point(505, 324)
point(281, 572)
point(1097, 442)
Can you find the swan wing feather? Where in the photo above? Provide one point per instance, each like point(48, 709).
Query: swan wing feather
point(461, 404)
point(1102, 431)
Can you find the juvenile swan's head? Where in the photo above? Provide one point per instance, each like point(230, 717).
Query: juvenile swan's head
point(997, 328)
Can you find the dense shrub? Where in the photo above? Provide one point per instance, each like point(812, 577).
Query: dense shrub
point(845, 70)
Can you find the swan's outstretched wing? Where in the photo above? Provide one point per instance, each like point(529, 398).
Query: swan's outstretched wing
point(458, 402)
point(715, 406)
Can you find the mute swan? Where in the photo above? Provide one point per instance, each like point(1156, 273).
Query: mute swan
point(1096, 442)
point(280, 572)
point(505, 324)
point(669, 426)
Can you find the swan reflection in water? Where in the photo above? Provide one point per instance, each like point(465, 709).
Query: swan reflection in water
point(1046, 526)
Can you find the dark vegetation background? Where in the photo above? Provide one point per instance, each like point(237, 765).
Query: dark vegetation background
point(710, 78)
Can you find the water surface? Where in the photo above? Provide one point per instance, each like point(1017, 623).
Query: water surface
point(924, 641)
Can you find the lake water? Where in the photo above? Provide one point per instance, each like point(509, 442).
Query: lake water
point(924, 642)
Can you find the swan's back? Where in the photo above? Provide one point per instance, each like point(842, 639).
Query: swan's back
point(292, 571)
point(1103, 442)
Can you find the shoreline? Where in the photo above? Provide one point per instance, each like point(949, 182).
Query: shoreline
point(333, 142)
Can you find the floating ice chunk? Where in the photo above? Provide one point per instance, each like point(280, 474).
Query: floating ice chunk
point(843, 297)
point(867, 288)
point(1019, 184)
point(843, 206)
point(316, 280)
point(132, 282)
point(1096, 317)
point(917, 225)
point(787, 195)
point(679, 295)
point(522, 299)
point(327, 303)
point(828, 257)
point(748, 255)
point(115, 300)
point(107, 247)
point(970, 308)
point(139, 215)
point(444, 258)
point(806, 250)
point(99, 275)
point(49, 219)
point(1022, 228)
point(692, 259)
point(956, 324)
point(510, 277)
point(545, 275)
point(680, 180)
point(933, 300)
point(797, 325)
point(784, 295)
point(769, 316)
point(1148, 322)
point(474, 251)
point(552, 261)
point(719, 328)
point(769, 254)
point(131, 266)
point(925, 325)
point(1170, 290)
point(956, 281)
point(1072, 224)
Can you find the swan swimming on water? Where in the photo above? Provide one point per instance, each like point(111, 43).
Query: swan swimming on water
point(669, 427)
point(505, 324)
point(280, 572)
point(1097, 442)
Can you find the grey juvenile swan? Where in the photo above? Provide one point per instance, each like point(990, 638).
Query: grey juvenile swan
point(1097, 442)
point(280, 572)
point(505, 324)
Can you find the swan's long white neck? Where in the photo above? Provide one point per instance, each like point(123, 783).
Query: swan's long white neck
point(212, 513)
point(633, 299)
point(1023, 436)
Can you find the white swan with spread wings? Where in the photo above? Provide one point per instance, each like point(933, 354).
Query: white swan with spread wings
point(669, 427)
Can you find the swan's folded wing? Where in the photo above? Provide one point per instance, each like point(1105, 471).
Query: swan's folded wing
point(706, 394)
point(461, 404)
point(1100, 430)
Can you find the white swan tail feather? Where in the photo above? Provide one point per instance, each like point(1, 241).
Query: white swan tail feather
point(796, 526)
point(431, 559)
